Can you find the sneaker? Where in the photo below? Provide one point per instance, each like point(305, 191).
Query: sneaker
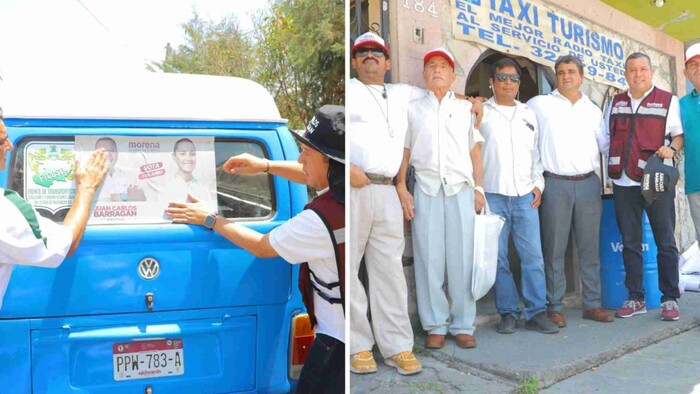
point(507, 325)
point(669, 311)
point(405, 362)
point(541, 323)
point(631, 308)
point(363, 362)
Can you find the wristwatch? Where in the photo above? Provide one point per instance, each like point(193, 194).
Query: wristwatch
point(210, 221)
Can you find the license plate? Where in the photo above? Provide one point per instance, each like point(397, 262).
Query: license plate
point(148, 359)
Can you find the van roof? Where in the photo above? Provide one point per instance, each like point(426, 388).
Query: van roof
point(145, 95)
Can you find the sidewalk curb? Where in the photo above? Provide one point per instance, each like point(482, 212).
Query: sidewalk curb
point(556, 374)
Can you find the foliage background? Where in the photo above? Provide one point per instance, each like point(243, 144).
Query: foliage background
point(296, 50)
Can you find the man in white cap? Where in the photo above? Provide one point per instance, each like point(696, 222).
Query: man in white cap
point(377, 126)
point(445, 150)
point(690, 115)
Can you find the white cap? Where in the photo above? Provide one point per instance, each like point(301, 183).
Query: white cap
point(693, 50)
point(370, 39)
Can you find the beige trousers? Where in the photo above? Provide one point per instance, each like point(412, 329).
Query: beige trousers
point(377, 233)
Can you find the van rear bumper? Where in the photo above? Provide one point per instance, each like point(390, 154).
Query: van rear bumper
point(223, 350)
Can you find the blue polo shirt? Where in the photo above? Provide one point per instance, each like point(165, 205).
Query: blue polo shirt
point(690, 115)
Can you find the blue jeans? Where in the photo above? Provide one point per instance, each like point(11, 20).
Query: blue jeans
point(629, 204)
point(524, 221)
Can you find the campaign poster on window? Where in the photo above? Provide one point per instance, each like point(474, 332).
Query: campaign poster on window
point(48, 181)
point(146, 173)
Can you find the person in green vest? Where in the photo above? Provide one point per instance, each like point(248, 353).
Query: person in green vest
point(27, 238)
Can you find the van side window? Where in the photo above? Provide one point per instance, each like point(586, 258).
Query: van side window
point(248, 197)
point(242, 196)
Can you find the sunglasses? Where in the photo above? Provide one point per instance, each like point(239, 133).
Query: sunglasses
point(362, 52)
point(500, 77)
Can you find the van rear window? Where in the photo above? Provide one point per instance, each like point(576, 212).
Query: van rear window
point(42, 168)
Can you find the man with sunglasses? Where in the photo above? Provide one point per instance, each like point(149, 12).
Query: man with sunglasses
point(445, 150)
point(377, 126)
point(571, 139)
point(513, 183)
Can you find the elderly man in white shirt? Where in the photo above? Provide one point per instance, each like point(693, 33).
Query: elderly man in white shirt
point(513, 182)
point(571, 139)
point(444, 148)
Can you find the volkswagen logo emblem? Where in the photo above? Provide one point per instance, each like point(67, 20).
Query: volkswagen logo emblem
point(149, 268)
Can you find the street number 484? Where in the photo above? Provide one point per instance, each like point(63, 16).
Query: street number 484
point(419, 6)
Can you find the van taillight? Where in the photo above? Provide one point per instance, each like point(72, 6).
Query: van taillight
point(301, 338)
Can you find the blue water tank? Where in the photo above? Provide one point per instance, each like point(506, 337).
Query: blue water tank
point(612, 269)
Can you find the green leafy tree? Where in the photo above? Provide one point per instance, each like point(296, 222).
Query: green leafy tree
point(297, 51)
point(301, 48)
point(210, 48)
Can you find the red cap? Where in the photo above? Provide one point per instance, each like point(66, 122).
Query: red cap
point(442, 52)
point(370, 39)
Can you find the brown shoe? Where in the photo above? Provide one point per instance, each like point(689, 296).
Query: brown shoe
point(557, 318)
point(465, 341)
point(435, 341)
point(598, 314)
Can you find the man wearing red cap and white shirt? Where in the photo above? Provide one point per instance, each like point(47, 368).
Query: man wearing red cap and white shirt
point(377, 126)
point(690, 115)
point(445, 150)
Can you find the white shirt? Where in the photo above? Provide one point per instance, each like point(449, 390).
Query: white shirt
point(377, 125)
point(115, 182)
point(674, 127)
point(512, 165)
point(19, 244)
point(571, 136)
point(304, 238)
point(440, 137)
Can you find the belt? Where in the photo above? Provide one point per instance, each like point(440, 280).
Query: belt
point(569, 177)
point(379, 179)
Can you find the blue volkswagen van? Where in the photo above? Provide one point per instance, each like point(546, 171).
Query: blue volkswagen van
point(155, 308)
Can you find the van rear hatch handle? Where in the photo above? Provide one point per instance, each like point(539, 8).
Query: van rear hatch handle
point(150, 298)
